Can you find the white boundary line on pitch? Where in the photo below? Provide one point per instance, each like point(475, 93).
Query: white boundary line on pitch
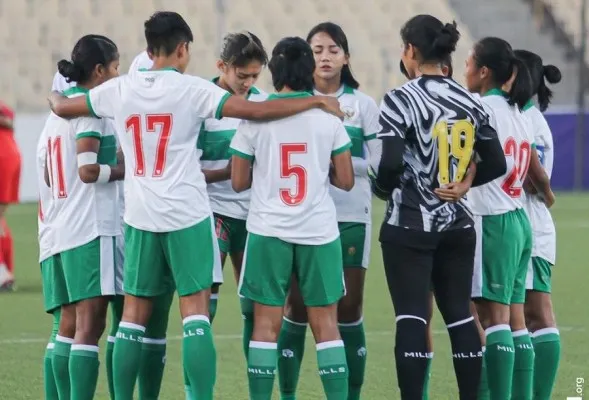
point(229, 336)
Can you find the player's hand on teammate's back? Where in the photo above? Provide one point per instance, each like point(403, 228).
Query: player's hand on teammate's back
point(54, 100)
point(331, 105)
point(453, 192)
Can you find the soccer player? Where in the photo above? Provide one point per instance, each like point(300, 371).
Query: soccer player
point(427, 240)
point(504, 238)
point(333, 77)
point(10, 161)
point(81, 161)
point(292, 226)
point(538, 306)
point(169, 228)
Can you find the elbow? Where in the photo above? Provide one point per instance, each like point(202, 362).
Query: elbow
point(88, 175)
point(347, 184)
point(239, 185)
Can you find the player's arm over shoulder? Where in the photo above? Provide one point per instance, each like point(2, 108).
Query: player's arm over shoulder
point(100, 102)
point(90, 136)
point(341, 174)
point(242, 152)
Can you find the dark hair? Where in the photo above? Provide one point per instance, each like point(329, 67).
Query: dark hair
point(538, 72)
point(434, 40)
point(497, 55)
point(89, 51)
point(239, 49)
point(446, 62)
point(339, 37)
point(292, 65)
point(164, 31)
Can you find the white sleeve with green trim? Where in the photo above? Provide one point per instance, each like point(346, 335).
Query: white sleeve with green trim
point(105, 99)
point(341, 140)
point(207, 99)
point(370, 115)
point(85, 127)
point(242, 142)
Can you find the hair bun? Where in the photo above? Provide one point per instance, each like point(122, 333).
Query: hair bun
point(551, 73)
point(447, 39)
point(68, 70)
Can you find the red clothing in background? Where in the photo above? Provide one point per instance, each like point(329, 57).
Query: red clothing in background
point(10, 160)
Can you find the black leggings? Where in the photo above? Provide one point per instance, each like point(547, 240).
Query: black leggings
point(417, 262)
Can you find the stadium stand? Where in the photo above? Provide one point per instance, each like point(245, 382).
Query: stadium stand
point(35, 34)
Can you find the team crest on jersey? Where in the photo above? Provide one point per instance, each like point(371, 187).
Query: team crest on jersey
point(349, 112)
point(351, 250)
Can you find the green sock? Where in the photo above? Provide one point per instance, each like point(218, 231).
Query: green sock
point(261, 369)
point(484, 393)
point(110, 346)
point(48, 378)
point(499, 357)
point(60, 362)
point(126, 359)
point(213, 301)
point(153, 350)
point(333, 369)
point(523, 366)
point(83, 371)
point(151, 371)
point(291, 348)
point(247, 314)
point(199, 356)
point(547, 347)
point(428, 374)
point(355, 344)
point(116, 312)
point(187, 389)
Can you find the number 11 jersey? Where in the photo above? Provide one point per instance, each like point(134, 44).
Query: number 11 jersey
point(157, 116)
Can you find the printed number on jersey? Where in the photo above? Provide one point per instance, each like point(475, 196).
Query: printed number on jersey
point(512, 185)
point(455, 148)
point(154, 123)
point(288, 170)
point(55, 168)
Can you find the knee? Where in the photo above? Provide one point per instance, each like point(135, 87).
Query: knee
point(349, 310)
point(266, 329)
point(411, 332)
point(67, 322)
point(539, 319)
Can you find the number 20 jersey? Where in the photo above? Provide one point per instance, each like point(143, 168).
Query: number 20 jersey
point(505, 193)
point(417, 112)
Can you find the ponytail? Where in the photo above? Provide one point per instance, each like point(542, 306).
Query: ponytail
point(521, 89)
point(552, 75)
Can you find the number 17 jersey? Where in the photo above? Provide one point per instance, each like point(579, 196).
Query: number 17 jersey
point(157, 116)
point(505, 193)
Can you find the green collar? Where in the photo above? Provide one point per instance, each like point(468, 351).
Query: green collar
point(74, 90)
point(343, 89)
point(288, 95)
point(528, 105)
point(496, 92)
point(348, 89)
point(253, 89)
point(161, 69)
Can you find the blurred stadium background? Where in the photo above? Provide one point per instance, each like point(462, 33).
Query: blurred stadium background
point(35, 34)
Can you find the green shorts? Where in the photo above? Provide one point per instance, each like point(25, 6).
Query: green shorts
point(355, 238)
point(91, 271)
point(503, 251)
point(231, 234)
point(269, 263)
point(539, 277)
point(157, 262)
point(54, 286)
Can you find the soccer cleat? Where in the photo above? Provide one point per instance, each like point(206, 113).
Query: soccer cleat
point(6, 279)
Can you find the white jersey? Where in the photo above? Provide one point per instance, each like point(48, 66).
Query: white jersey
point(290, 190)
point(361, 123)
point(540, 218)
point(505, 193)
point(157, 116)
point(82, 211)
point(141, 61)
point(45, 202)
point(213, 145)
point(60, 84)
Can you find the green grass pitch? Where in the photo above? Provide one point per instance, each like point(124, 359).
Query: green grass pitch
point(24, 327)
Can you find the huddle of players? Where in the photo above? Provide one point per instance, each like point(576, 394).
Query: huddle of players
point(286, 230)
